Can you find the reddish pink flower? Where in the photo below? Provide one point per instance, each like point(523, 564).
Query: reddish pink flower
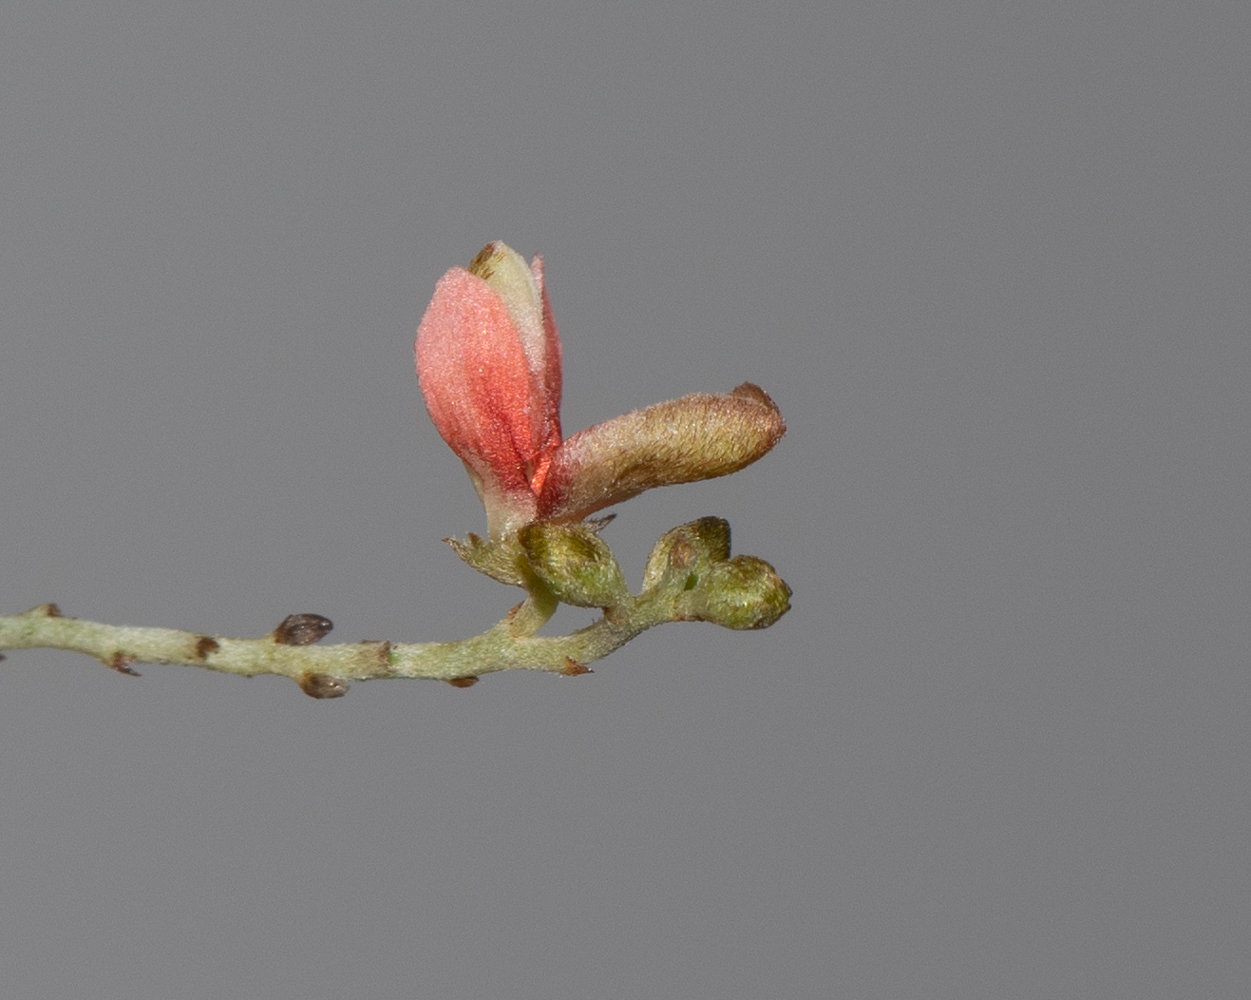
point(488, 362)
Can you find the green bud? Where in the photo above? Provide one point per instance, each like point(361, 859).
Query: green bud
point(740, 593)
point(575, 563)
point(686, 552)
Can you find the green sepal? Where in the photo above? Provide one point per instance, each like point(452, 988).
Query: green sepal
point(575, 563)
point(503, 561)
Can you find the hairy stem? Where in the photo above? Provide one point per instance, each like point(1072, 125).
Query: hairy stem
point(325, 671)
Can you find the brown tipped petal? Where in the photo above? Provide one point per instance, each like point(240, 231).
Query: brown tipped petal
point(700, 436)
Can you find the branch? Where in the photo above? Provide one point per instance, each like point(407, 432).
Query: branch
point(324, 671)
point(689, 577)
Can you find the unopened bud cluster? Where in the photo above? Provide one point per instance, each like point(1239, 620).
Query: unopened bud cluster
point(689, 573)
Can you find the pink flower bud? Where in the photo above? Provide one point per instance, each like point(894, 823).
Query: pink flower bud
point(488, 362)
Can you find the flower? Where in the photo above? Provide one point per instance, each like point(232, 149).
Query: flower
point(488, 363)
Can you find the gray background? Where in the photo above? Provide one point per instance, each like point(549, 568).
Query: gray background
point(991, 260)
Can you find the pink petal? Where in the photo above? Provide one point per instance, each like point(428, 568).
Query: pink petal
point(476, 381)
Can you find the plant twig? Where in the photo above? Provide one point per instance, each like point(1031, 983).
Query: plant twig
point(324, 671)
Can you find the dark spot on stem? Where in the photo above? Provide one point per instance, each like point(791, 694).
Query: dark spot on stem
point(52, 611)
point(204, 645)
point(121, 663)
point(301, 630)
point(321, 685)
point(573, 668)
point(463, 682)
point(382, 651)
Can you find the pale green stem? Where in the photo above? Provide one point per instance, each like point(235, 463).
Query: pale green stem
point(325, 671)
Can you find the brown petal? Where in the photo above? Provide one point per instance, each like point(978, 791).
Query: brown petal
point(700, 436)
